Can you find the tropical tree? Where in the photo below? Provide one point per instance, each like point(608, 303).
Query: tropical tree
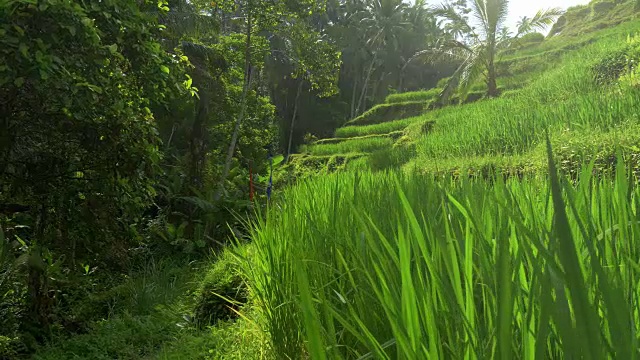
point(476, 42)
point(314, 60)
point(259, 17)
point(79, 149)
point(383, 21)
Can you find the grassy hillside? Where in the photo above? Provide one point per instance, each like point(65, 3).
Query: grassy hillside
point(547, 86)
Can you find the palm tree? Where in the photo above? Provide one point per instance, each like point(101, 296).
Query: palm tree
point(476, 47)
point(382, 20)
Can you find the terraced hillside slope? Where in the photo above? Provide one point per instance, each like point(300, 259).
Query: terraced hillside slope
point(570, 84)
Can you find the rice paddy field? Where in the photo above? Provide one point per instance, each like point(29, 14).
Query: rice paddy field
point(382, 128)
point(355, 145)
point(510, 229)
point(392, 266)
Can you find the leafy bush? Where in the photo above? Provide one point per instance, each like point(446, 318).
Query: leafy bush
point(122, 337)
point(389, 112)
point(611, 67)
point(617, 63)
point(10, 348)
point(391, 158)
point(221, 293)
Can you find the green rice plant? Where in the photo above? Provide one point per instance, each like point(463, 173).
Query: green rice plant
point(424, 96)
point(359, 145)
point(391, 158)
point(401, 266)
point(393, 135)
point(382, 128)
point(390, 112)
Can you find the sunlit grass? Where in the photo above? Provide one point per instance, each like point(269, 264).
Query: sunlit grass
point(425, 96)
point(383, 128)
point(560, 99)
point(401, 266)
point(358, 145)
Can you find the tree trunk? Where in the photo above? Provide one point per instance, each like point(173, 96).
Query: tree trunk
point(243, 107)
point(366, 84)
point(492, 85)
point(353, 97)
point(293, 119)
point(196, 141)
point(376, 86)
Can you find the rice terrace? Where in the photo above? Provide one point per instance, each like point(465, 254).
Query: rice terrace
point(319, 179)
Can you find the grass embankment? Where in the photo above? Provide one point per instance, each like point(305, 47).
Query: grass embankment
point(383, 128)
point(390, 112)
point(354, 145)
point(549, 87)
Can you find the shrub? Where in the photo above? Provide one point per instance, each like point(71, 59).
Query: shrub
point(391, 158)
point(9, 348)
point(614, 65)
point(221, 293)
point(611, 67)
point(389, 112)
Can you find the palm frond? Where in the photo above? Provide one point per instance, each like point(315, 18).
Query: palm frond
point(479, 11)
point(465, 75)
point(540, 21)
point(493, 14)
point(472, 68)
point(445, 50)
point(458, 23)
